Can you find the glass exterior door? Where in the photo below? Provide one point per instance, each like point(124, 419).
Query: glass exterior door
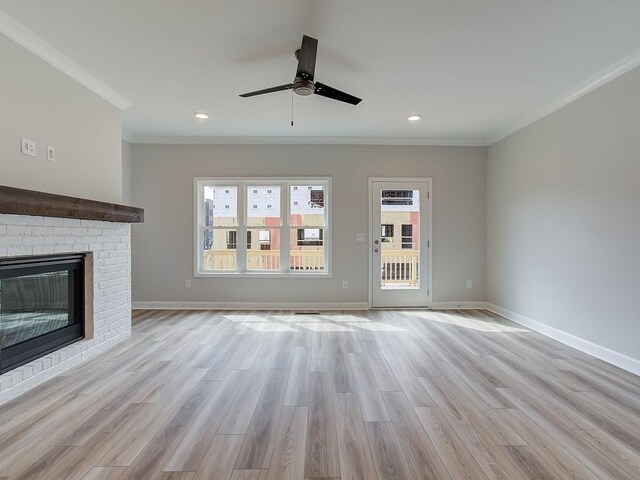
point(400, 244)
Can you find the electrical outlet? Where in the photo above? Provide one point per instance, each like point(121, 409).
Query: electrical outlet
point(345, 284)
point(187, 283)
point(469, 283)
point(51, 154)
point(28, 147)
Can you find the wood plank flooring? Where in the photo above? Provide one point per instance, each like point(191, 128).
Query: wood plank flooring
point(208, 395)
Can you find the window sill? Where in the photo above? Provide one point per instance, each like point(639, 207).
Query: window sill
point(282, 275)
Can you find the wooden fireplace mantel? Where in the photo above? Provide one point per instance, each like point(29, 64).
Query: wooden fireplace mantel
point(18, 201)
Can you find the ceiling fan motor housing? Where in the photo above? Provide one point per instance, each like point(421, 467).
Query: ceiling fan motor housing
point(303, 87)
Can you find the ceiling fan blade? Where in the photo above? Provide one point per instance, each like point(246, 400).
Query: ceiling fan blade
point(307, 58)
point(330, 92)
point(288, 86)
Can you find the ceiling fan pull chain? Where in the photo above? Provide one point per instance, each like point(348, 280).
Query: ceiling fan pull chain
point(292, 108)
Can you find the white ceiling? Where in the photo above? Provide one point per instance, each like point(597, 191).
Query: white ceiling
point(475, 69)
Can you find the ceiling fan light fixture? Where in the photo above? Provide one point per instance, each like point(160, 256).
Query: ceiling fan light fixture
point(201, 115)
point(414, 117)
point(303, 87)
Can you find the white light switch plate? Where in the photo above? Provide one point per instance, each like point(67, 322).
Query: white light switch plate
point(28, 147)
point(51, 154)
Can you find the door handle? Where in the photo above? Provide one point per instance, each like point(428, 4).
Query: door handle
point(375, 250)
point(376, 242)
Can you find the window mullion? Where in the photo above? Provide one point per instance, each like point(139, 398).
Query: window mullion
point(327, 232)
point(199, 253)
point(241, 236)
point(200, 245)
point(284, 228)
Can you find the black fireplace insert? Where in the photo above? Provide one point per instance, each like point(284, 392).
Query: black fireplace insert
point(41, 306)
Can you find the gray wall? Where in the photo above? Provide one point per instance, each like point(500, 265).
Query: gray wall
point(127, 172)
point(42, 104)
point(563, 218)
point(163, 245)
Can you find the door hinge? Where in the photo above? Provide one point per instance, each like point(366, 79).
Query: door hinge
point(428, 244)
point(427, 292)
point(428, 195)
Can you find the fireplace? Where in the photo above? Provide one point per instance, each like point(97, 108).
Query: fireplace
point(41, 306)
point(65, 283)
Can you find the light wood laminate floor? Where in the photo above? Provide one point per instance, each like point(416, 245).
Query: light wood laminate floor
point(203, 395)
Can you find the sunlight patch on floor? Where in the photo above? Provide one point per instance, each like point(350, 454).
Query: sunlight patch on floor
point(324, 327)
point(377, 327)
point(244, 318)
point(343, 318)
point(425, 314)
point(297, 318)
point(465, 322)
point(269, 327)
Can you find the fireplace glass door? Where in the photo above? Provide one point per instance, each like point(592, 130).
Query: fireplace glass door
point(41, 306)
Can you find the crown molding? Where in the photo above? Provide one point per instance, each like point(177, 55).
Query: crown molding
point(228, 140)
point(614, 71)
point(126, 136)
point(40, 48)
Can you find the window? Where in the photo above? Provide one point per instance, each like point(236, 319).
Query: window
point(407, 236)
point(310, 236)
point(265, 236)
point(386, 233)
point(231, 240)
point(285, 222)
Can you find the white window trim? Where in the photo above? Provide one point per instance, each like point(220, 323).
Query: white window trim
point(241, 229)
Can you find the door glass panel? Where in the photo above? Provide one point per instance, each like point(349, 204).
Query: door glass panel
point(400, 239)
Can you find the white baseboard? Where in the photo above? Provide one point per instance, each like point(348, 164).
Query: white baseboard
point(625, 362)
point(288, 306)
point(459, 305)
point(248, 306)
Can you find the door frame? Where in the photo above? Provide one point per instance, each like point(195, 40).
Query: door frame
point(429, 183)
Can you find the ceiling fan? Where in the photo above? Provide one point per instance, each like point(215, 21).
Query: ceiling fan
point(303, 84)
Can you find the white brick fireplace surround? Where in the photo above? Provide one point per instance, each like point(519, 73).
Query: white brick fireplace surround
point(110, 244)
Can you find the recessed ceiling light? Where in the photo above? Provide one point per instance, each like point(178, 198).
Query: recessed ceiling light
point(414, 118)
point(201, 115)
